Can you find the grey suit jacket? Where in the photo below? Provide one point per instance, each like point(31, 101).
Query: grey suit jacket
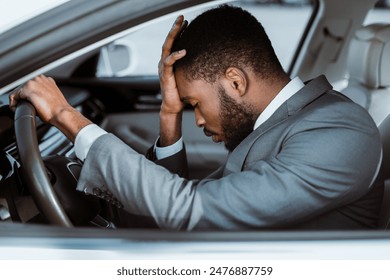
point(310, 165)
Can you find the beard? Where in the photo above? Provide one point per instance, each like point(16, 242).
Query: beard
point(237, 120)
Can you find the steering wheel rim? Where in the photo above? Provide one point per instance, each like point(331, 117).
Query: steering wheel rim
point(33, 168)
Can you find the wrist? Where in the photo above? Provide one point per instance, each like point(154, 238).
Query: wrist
point(170, 115)
point(69, 121)
point(170, 128)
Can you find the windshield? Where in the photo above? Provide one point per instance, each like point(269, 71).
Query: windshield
point(15, 12)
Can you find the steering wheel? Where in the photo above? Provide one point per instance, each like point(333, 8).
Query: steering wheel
point(55, 195)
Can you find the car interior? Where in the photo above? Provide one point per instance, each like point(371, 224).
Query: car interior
point(354, 57)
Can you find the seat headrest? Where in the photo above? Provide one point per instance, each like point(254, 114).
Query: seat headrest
point(369, 56)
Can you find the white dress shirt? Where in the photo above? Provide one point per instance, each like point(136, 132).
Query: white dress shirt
point(88, 135)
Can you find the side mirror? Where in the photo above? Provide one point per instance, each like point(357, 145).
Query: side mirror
point(115, 60)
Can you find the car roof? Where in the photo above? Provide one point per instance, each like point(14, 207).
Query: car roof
point(18, 11)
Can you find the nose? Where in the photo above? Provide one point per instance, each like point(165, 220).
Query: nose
point(199, 120)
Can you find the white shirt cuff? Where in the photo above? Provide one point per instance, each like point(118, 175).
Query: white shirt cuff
point(85, 138)
point(164, 152)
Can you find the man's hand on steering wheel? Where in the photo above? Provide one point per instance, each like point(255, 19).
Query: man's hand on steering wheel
point(43, 93)
point(51, 105)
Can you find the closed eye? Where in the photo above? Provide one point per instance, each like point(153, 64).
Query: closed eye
point(190, 102)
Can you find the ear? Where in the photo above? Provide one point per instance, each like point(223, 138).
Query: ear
point(237, 80)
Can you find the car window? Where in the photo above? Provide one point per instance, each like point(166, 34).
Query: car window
point(139, 52)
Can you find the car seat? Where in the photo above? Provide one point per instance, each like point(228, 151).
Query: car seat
point(369, 70)
point(369, 86)
point(384, 218)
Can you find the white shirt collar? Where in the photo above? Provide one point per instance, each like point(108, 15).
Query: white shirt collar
point(289, 90)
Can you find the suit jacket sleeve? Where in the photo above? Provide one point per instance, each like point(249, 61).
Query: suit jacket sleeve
point(141, 186)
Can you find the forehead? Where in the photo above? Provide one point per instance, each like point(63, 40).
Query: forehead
point(194, 89)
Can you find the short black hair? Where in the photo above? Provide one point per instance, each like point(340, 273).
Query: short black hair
point(225, 37)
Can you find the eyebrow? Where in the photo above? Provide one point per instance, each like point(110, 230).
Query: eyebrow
point(185, 99)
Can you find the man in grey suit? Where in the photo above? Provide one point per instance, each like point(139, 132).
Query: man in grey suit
point(301, 155)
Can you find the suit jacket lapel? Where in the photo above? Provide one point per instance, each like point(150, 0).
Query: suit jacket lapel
point(311, 91)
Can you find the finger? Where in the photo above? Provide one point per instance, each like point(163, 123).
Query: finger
point(42, 77)
point(15, 97)
point(171, 59)
point(183, 26)
point(173, 33)
point(12, 102)
point(51, 80)
point(38, 79)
